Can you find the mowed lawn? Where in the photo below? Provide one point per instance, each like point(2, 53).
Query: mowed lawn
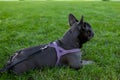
point(26, 24)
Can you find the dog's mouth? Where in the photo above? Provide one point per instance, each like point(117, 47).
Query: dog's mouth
point(83, 39)
point(90, 36)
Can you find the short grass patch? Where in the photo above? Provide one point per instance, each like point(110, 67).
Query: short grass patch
point(25, 24)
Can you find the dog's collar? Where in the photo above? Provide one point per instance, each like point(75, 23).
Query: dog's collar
point(60, 51)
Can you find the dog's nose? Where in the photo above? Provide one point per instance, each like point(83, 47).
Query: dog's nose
point(92, 34)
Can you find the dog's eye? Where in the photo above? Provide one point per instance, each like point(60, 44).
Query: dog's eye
point(88, 32)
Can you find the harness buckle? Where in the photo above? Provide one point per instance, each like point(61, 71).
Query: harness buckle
point(45, 47)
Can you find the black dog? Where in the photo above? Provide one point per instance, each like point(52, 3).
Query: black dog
point(65, 51)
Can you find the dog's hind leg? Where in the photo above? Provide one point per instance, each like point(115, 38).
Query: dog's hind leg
point(18, 69)
point(23, 67)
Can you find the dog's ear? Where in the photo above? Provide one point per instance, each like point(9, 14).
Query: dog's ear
point(72, 19)
point(81, 20)
point(81, 23)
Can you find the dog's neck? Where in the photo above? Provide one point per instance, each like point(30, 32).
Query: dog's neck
point(69, 41)
point(67, 45)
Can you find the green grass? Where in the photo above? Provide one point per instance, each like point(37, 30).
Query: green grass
point(25, 24)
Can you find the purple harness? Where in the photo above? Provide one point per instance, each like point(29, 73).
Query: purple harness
point(60, 51)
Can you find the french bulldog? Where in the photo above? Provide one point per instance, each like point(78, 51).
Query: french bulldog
point(65, 51)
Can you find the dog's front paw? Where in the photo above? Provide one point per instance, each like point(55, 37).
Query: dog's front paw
point(85, 62)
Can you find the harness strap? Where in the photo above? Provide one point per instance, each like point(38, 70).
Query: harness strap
point(60, 51)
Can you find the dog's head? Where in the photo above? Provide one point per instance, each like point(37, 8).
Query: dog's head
point(81, 29)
